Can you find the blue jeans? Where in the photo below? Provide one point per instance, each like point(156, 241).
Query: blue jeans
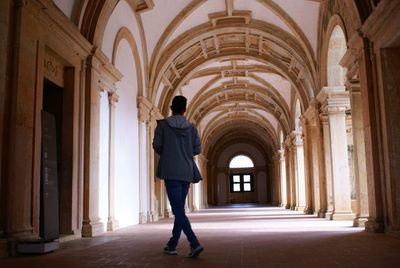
point(177, 192)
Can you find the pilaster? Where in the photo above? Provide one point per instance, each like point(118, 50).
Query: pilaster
point(298, 146)
point(316, 158)
point(112, 223)
point(360, 167)
point(153, 201)
point(91, 221)
point(282, 173)
point(101, 75)
point(291, 171)
point(358, 61)
point(203, 171)
point(145, 107)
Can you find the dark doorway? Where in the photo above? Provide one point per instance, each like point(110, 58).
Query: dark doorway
point(58, 102)
point(52, 111)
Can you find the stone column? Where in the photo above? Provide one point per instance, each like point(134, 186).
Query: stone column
point(300, 176)
point(203, 171)
point(153, 207)
point(309, 209)
point(145, 107)
point(91, 220)
point(316, 158)
point(276, 177)
point(291, 171)
point(152, 200)
point(143, 181)
point(288, 172)
point(360, 167)
point(335, 101)
point(328, 167)
point(282, 167)
point(112, 223)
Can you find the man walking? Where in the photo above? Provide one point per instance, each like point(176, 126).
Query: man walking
point(176, 141)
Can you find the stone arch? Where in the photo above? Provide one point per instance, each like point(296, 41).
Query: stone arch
point(336, 25)
point(127, 129)
point(125, 34)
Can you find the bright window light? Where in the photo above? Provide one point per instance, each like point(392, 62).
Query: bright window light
point(241, 161)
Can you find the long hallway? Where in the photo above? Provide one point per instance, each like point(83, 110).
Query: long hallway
point(235, 236)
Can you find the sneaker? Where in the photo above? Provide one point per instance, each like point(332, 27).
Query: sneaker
point(194, 252)
point(170, 251)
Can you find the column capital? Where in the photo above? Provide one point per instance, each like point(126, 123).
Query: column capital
point(352, 55)
point(281, 154)
point(353, 85)
point(334, 100)
point(113, 98)
point(156, 114)
point(145, 107)
point(202, 158)
point(312, 110)
point(323, 116)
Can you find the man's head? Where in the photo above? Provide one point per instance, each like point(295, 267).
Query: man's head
point(179, 105)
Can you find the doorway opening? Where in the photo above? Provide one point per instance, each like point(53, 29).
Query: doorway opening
point(242, 184)
point(56, 186)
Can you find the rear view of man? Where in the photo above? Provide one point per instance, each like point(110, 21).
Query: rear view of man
point(176, 141)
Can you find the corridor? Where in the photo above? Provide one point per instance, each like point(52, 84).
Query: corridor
point(233, 236)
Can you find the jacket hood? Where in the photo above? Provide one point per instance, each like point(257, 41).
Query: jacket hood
point(180, 124)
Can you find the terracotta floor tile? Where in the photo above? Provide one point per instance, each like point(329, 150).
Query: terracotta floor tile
point(232, 237)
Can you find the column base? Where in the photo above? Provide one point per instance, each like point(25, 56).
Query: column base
point(342, 215)
point(152, 216)
point(75, 234)
point(321, 213)
point(328, 215)
point(112, 224)
point(283, 205)
point(300, 208)
point(309, 211)
point(287, 206)
point(4, 248)
point(142, 217)
point(360, 221)
point(92, 229)
point(168, 213)
point(374, 226)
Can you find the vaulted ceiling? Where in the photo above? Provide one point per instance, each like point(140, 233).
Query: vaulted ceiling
point(242, 64)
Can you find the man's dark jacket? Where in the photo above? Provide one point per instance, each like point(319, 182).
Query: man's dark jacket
point(176, 141)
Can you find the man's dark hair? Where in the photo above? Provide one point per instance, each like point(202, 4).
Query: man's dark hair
point(178, 104)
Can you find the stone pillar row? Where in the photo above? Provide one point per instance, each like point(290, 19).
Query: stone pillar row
point(321, 147)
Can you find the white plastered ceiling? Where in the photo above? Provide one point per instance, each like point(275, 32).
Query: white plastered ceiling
point(220, 85)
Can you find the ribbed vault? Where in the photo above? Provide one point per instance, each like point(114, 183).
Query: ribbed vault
point(241, 73)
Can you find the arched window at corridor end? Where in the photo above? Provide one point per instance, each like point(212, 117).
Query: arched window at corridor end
point(241, 161)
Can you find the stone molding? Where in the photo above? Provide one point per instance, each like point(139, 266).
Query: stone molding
point(113, 98)
point(145, 107)
point(46, 12)
point(351, 57)
point(109, 75)
point(379, 25)
point(334, 100)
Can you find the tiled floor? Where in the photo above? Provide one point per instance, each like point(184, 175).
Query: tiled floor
point(232, 237)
